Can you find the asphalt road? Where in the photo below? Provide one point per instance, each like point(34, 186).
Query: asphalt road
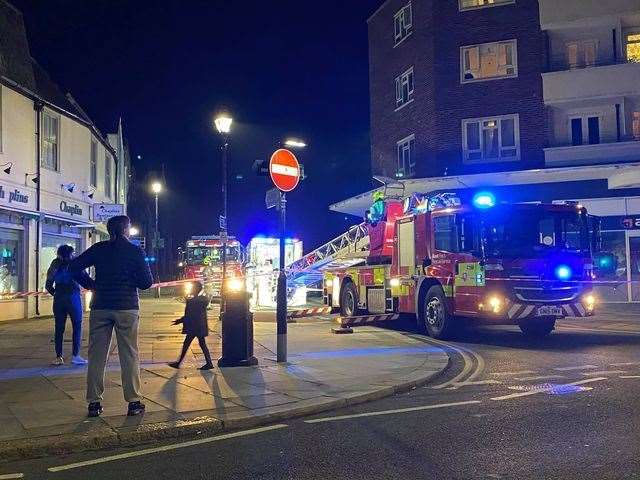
point(566, 407)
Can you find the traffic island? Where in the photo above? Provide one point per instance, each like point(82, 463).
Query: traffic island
point(43, 412)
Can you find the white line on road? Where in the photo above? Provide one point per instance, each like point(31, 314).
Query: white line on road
point(629, 376)
point(521, 372)
point(599, 373)
point(578, 367)
point(539, 377)
point(165, 448)
point(391, 412)
point(624, 364)
point(477, 382)
point(10, 476)
point(546, 389)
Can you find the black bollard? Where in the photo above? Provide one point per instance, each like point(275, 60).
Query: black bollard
point(237, 328)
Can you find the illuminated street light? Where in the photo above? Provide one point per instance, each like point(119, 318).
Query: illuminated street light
point(133, 231)
point(223, 123)
point(156, 187)
point(294, 143)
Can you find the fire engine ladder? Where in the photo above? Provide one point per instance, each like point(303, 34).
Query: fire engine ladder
point(349, 249)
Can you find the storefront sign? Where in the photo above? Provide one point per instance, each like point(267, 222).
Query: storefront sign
point(104, 211)
point(70, 209)
point(631, 223)
point(15, 196)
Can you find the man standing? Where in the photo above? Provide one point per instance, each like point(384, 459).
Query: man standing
point(120, 271)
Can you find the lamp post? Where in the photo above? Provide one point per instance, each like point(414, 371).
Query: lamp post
point(223, 123)
point(156, 188)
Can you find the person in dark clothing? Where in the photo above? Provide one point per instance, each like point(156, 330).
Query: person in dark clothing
point(194, 325)
point(121, 271)
point(65, 289)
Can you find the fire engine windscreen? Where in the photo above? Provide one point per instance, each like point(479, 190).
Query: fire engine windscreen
point(508, 232)
point(211, 255)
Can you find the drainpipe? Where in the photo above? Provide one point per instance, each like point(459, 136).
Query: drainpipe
point(618, 133)
point(37, 106)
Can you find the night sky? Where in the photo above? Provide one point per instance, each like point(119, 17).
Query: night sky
point(282, 67)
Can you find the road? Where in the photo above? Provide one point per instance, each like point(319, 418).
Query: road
point(566, 407)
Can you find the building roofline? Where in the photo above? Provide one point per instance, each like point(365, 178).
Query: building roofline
point(378, 10)
point(11, 6)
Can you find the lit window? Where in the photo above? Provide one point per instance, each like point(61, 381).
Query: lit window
point(633, 47)
point(402, 23)
point(473, 4)
point(489, 61)
point(50, 135)
point(582, 54)
point(635, 125)
point(406, 157)
point(404, 88)
point(93, 164)
point(495, 139)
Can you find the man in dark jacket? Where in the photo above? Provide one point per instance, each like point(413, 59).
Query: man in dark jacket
point(65, 288)
point(195, 325)
point(121, 271)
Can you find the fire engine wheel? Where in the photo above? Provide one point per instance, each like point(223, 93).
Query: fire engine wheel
point(538, 328)
point(349, 300)
point(437, 321)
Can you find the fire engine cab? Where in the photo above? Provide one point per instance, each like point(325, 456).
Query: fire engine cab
point(443, 260)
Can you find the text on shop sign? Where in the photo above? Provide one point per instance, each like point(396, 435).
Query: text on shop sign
point(14, 197)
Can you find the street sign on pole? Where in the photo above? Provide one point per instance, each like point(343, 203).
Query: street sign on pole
point(104, 211)
point(284, 170)
point(223, 236)
point(272, 198)
point(223, 222)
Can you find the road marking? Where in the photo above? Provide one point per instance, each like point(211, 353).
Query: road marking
point(391, 412)
point(477, 382)
point(522, 372)
point(10, 476)
point(539, 377)
point(599, 330)
point(629, 376)
point(624, 364)
point(578, 367)
point(599, 373)
point(165, 448)
point(546, 389)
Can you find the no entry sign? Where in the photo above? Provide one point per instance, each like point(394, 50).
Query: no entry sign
point(284, 170)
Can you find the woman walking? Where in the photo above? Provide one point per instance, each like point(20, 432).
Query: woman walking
point(65, 288)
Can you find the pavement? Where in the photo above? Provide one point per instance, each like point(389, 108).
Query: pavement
point(43, 412)
point(507, 407)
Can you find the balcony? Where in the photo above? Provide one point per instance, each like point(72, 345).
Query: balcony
point(567, 83)
point(614, 152)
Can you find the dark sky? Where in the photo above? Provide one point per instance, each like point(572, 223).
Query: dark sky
point(282, 66)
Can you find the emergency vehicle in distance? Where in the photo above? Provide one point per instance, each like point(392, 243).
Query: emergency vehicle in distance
point(488, 262)
point(203, 261)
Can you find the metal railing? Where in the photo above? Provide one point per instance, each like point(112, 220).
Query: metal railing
point(560, 63)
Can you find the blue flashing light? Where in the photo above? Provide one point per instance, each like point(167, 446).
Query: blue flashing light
point(484, 200)
point(605, 261)
point(563, 272)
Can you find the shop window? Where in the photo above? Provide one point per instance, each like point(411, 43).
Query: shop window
point(49, 251)
point(402, 23)
point(11, 265)
point(489, 61)
point(445, 233)
point(632, 42)
point(614, 242)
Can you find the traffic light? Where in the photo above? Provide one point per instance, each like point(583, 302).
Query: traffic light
point(261, 168)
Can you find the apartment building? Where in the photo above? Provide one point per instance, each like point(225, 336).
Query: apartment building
point(537, 99)
point(55, 165)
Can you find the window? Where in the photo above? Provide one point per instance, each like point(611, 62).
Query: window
point(93, 164)
point(635, 125)
point(107, 174)
point(402, 23)
point(50, 135)
point(585, 130)
point(491, 139)
point(404, 88)
point(406, 157)
point(11, 266)
point(582, 54)
point(489, 61)
point(473, 4)
point(632, 42)
point(445, 233)
point(0, 112)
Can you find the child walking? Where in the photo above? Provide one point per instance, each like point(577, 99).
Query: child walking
point(194, 325)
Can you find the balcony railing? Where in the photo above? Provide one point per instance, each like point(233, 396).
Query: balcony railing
point(561, 63)
point(561, 154)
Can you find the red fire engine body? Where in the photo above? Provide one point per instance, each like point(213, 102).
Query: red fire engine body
point(515, 264)
point(203, 261)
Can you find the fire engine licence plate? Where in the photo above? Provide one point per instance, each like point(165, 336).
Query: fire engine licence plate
point(549, 311)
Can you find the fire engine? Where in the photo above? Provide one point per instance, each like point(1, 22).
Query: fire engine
point(481, 261)
point(203, 261)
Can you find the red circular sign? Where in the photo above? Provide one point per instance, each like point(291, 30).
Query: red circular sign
point(284, 170)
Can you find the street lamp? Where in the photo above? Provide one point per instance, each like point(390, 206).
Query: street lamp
point(133, 231)
point(223, 123)
point(294, 143)
point(156, 188)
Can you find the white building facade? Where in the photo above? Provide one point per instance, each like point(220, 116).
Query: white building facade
point(54, 167)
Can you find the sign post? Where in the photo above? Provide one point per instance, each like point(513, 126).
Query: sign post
point(284, 170)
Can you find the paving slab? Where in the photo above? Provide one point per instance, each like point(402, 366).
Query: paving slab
point(43, 409)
